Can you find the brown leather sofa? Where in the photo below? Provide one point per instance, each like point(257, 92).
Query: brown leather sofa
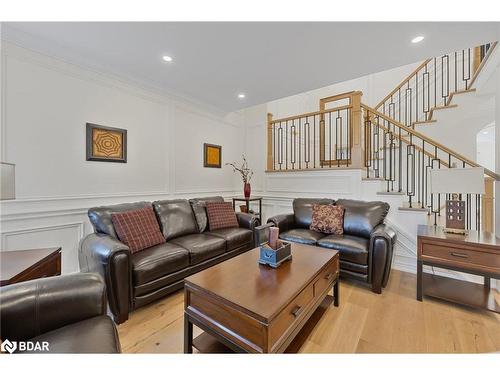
point(365, 248)
point(68, 312)
point(134, 280)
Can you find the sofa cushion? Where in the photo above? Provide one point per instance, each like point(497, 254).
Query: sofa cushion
point(100, 217)
point(157, 261)
point(302, 210)
point(138, 229)
point(360, 217)
point(235, 237)
point(199, 206)
point(94, 335)
point(221, 215)
point(305, 236)
point(201, 246)
point(351, 248)
point(327, 218)
point(176, 218)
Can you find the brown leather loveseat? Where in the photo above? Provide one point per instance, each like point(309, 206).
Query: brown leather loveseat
point(136, 279)
point(365, 247)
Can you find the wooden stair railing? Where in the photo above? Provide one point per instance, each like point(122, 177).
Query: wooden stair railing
point(403, 158)
point(328, 138)
point(433, 83)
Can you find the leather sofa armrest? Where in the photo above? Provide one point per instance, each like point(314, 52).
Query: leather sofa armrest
point(31, 308)
point(382, 240)
point(284, 222)
point(247, 221)
point(110, 258)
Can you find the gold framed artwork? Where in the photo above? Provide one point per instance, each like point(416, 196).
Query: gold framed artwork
point(212, 156)
point(106, 144)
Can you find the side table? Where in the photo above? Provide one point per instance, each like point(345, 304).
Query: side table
point(476, 253)
point(22, 265)
point(247, 202)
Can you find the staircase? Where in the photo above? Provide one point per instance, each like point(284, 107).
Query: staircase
point(385, 141)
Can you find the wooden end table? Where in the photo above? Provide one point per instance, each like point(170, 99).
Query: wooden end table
point(476, 253)
point(247, 203)
point(254, 308)
point(23, 265)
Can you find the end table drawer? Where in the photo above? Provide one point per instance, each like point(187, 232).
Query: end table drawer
point(457, 255)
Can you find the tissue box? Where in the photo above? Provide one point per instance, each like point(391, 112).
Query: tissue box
point(274, 258)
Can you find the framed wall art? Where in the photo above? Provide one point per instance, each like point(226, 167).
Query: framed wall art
point(106, 144)
point(212, 156)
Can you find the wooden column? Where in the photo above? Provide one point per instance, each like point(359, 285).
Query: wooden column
point(270, 161)
point(476, 61)
point(356, 128)
point(488, 207)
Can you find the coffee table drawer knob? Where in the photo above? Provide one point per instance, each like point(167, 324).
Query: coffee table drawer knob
point(329, 276)
point(296, 311)
point(459, 255)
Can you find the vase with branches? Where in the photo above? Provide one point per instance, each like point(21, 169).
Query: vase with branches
point(246, 175)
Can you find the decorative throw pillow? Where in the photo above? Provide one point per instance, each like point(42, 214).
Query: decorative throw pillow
point(221, 215)
point(327, 218)
point(138, 229)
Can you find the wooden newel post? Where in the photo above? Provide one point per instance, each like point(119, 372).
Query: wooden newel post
point(356, 128)
point(488, 209)
point(270, 161)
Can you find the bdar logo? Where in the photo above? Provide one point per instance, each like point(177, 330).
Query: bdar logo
point(8, 346)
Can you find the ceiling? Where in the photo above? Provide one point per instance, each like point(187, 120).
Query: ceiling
point(213, 62)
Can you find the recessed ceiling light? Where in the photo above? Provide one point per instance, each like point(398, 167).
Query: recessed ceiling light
point(417, 39)
point(485, 132)
point(167, 58)
point(241, 96)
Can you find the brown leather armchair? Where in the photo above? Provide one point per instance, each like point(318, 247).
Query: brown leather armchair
point(366, 247)
point(136, 279)
point(68, 312)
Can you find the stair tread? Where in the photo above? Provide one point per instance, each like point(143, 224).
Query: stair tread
point(424, 122)
point(390, 192)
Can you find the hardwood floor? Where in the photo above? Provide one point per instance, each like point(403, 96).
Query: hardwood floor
point(392, 322)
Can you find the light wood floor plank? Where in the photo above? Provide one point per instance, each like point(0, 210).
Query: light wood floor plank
point(365, 322)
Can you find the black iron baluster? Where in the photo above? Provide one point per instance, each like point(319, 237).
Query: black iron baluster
point(338, 138)
point(280, 145)
point(314, 141)
point(410, 171)
point(435, 82)
point(445, 92)
point(286, 145)
point(300, 141)
point(307, 140)
point(456, 73)
point(293, 144)
point(330, 138)
point(467, 76)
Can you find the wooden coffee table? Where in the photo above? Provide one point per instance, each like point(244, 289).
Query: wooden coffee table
point(257, 309)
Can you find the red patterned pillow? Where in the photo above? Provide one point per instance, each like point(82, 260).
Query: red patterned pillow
point(138, 229)
point(327, 218)
point(221, 215)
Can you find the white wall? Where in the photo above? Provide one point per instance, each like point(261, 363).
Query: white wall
point(45, 106)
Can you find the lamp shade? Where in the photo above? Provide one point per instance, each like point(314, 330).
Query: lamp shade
point(457, 180)
point(7, 178)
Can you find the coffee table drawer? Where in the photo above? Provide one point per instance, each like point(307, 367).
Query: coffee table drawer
point(291, 313)
point(326, 277)
point(453, 255)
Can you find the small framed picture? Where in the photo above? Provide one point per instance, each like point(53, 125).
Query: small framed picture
point(106, 144)
point(212, 156)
